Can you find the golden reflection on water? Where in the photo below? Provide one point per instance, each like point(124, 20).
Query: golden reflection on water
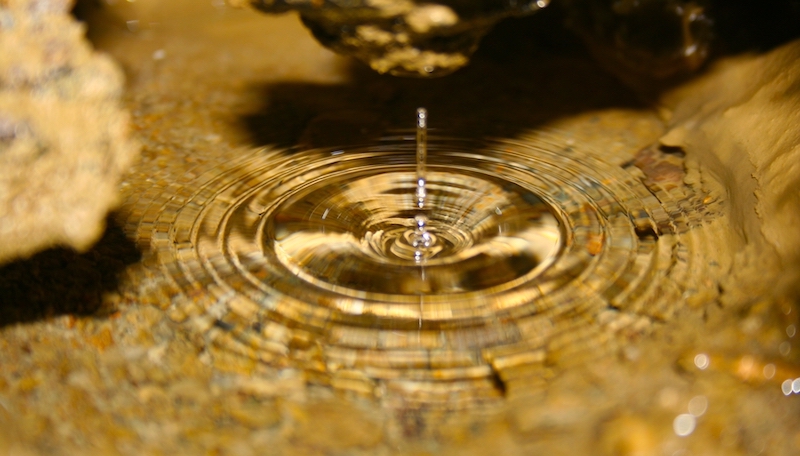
point(626, 360)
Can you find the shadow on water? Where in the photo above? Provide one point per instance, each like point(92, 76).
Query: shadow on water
point(527, 72)
point(60, 281)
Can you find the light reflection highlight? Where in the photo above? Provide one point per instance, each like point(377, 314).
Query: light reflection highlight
point(701, 360)
point(684, 424)
point(790, 386)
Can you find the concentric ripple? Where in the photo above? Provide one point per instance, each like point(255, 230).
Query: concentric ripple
point(542, 255)
point(355, 233)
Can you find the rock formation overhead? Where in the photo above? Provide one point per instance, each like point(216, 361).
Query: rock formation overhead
point(403, 37)
point(656, 39)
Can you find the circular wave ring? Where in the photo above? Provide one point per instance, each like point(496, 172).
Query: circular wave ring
point(546, 256)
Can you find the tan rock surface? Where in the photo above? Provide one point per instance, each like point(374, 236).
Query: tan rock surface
point(63, 135)
point(741, 121)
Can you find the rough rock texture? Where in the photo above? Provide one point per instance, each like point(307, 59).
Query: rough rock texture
point(747, 133)
point(402, 37)
point(63, 135)
point(635, 39)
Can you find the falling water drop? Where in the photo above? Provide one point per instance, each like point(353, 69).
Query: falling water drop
point(422, 155)
point(421, 239)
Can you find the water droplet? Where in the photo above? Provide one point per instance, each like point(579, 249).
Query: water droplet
point(421, 239)
point(422, 155)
